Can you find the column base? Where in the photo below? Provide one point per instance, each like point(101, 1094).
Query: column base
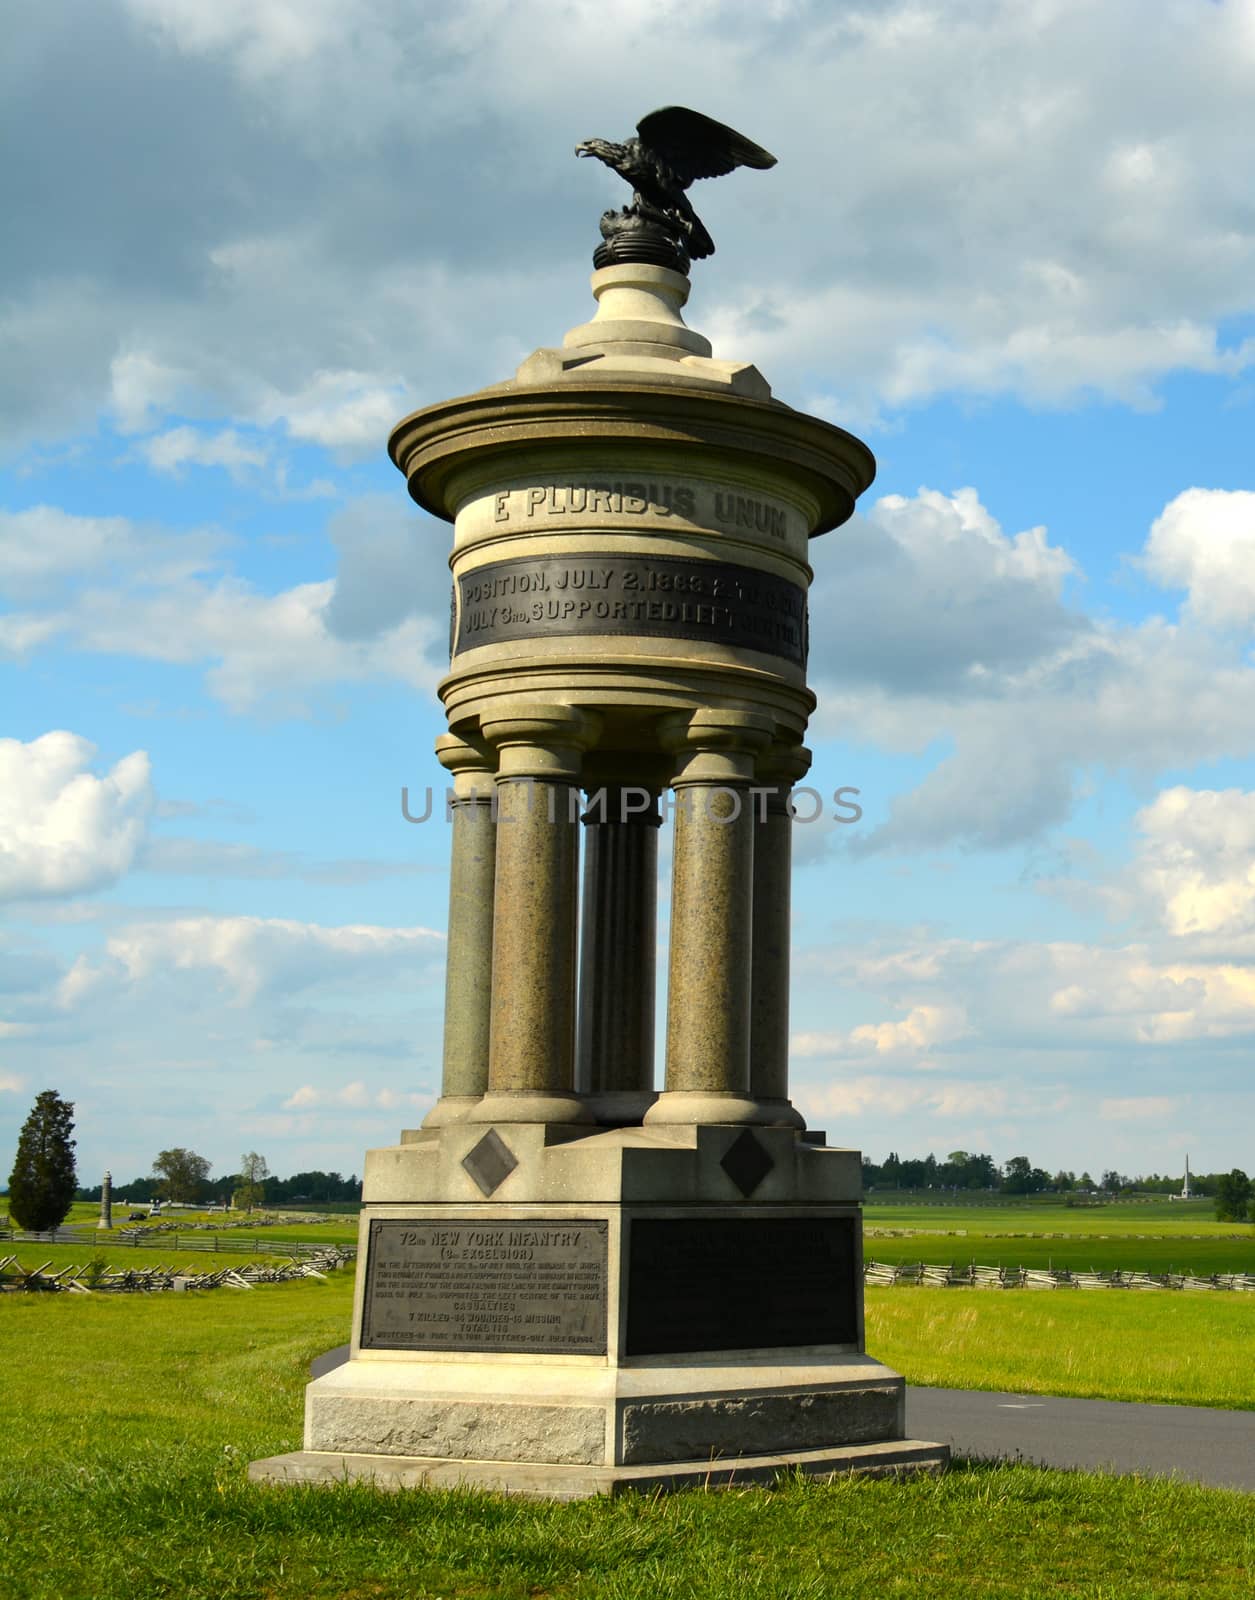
point(544, 1481)
point(451, 1108)
point(619, 1108)
point(529, 1105)
point(783, 1114)
point(692, 1106)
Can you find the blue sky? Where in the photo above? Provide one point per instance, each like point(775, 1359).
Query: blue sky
point(1010, 244)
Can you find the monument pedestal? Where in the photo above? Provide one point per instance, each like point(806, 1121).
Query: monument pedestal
point(561, 1313)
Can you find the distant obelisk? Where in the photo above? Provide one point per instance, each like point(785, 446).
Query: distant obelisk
point(1185, 1188)
point(106, 1202)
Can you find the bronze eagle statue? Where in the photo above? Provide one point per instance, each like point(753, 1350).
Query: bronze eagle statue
point(674, 147)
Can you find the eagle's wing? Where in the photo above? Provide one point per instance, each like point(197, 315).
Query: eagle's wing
point(694, 146)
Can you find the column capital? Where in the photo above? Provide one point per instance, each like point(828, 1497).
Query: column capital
point(714, 745)
point(784, 764)
point(470, 761)
point(540, 739)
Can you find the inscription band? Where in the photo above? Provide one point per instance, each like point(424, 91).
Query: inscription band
point(563, 596)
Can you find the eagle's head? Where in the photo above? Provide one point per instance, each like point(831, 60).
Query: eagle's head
point(601, 148)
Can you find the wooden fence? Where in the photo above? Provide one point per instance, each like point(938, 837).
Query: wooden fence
point(97, 1278)
point(161, 1237)
point(978, 1277)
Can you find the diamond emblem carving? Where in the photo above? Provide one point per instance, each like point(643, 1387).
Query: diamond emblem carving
point(746, 1162)
point(490, 1163)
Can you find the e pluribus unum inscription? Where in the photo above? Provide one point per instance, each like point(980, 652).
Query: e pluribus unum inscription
point(704, 504)
point(457, 1284)
point(548, 596)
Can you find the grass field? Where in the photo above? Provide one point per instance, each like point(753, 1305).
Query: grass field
point(338, 1229)
point(127, 1424)
point(1184, 1349)
point(1158, 1236)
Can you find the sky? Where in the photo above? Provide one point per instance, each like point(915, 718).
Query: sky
point(1010, 243)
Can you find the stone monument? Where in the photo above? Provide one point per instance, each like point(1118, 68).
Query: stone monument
point(106, 1202)
point(569, 1283)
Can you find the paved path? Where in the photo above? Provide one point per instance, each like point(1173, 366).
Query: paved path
point(1202, 1445)
point(1205, 1446)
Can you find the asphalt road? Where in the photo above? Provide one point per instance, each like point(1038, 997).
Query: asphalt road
point(1204, 1446)
point(1199, 1444)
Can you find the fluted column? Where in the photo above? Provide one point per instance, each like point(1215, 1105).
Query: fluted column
point(769, 986)
point(468, 958)
point(615, 1051)
point(531, 1057)
point(708, 994)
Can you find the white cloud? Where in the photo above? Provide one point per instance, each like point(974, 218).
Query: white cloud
point(923, 1027)
point(930, 593)
point(10, 1083)
point(1062, 997)
point(1195, 864)
point(181, 447)
point(349, 412)
point(945, 628)
point(140, 387)
point(1204, 542)
point(857, 1097)
point(1139, 1108)
point(45, 551)
point(248, 956)
point(64, 830)
point(355, 1094)
point(1019, 166)
point(173, 599)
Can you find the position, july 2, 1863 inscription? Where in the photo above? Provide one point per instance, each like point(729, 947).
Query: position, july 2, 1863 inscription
point(462, 1284)
point(670, 596)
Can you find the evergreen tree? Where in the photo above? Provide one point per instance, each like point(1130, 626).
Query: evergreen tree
point(42, 1183)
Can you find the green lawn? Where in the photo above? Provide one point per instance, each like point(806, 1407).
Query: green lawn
point(1160, 1218)
point(1155, 1237)
point(127, 1423)
point(1185, 1349)
point(339, 1229)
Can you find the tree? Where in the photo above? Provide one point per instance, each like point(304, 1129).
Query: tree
point(182, 1172)
point(42, 1183)
point(1233, 1194)
point(253, 1175)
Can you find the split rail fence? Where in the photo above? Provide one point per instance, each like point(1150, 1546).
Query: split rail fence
point(922, 1273)
point(96, 1278)
point(163, 1237)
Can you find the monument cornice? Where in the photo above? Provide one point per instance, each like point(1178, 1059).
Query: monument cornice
point(435, 447)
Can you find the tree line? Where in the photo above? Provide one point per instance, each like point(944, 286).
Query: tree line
point(43, 1184)
point(182, 1176)
point(962, 1170)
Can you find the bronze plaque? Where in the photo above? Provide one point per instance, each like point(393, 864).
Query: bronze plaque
point(467, 1284)
point(562, 596)
point(740, 1283)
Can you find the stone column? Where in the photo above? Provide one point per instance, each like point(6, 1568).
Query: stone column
point(531, 1059)
point(708, 993)
point(769, 985)
point(468, 961)
point(106, 1202)
point(615, 1053)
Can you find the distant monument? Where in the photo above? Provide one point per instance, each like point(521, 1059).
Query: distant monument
point(1186, 1193)
point(570, 1283)
point(106, 1202)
